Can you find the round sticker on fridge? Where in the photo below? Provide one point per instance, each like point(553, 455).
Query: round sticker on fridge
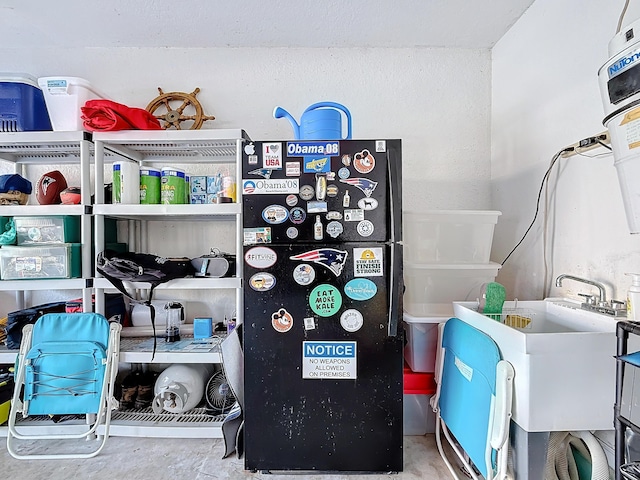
point(262, 281)
point(275, 214)
point(325, 300)
point(297, 215)
point(282, 320)
point(260, 257)
point(367, 203)
point(291, 200)
point(360, 289)
point(364, 162)
point(351, 320)
point(307, 192)
point(332, 190)
point(292, 232)
point(344, 173)
point(304, 274)
point(365, 228)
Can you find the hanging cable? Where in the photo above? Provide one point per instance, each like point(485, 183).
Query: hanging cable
point(624, 10)
point(535, 216)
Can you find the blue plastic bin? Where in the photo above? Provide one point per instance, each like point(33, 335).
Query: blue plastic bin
point(22, 106)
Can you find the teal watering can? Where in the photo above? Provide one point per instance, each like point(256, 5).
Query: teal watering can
point(320, 121)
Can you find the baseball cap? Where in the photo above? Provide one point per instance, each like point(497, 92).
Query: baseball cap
point(14, 183)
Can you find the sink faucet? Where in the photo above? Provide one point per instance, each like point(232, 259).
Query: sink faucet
point(598, 285)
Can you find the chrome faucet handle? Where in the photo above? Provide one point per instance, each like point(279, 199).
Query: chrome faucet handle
point(588, 298)
point(619, 303)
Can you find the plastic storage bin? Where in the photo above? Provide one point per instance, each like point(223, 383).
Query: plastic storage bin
point(47, 230)
point(22, 105)
point(422, 342)
point(40, 262)
point(431, 289)
point(449, 236)
point(418, 417)
point(64, 96)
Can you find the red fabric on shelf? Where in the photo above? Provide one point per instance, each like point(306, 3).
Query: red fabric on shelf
point(106, 115)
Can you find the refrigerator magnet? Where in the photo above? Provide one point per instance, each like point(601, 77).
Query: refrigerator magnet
point(364, 184)
point(297, 215)
point(330, 258)
point(334, 215)
point(367, 262)
point(253, 236)
point(325, 300)
point(307, 192)
point(334, 229)
point(272, 155)
point(353, 215)
point(365, 228)
point(346, 160)
point(275, 214)
point(344, 173)
point(263, 172)
point(309, 323)
point(317, 207)
point(260, 257)
point(364, 162)
point(304, 274)
point(351, 320)
point(262, 281)
point(282, 321)
point(292, 232)
point(291, 200)
point(332, 190)
point(360, 289)
point(367, 204)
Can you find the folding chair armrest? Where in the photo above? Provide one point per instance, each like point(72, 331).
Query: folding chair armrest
point(503, 401)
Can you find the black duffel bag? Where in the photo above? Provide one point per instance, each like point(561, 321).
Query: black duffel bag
point(18, 319)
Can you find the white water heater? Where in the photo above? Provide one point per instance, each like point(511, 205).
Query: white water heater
point(619, 80)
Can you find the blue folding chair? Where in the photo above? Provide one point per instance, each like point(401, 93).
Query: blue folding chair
point(473, 400)
point(67, 365)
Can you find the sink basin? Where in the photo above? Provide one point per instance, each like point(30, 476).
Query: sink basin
point(563, 359)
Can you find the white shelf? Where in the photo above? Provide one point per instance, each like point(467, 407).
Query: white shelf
point(195, 423)
point(42, 147)
point(42, 284)
point(131, 351)
point(38, 210)
point(175, 212)
point(179, 284)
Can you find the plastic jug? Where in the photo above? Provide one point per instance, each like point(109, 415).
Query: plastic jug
point(320, 121)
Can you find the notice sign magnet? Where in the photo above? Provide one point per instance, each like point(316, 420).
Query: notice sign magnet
point(329, 360)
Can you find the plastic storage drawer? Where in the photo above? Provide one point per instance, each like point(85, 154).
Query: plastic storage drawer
point(449, 236)
point(40, 262)
point(47, 230)
point(422, 342)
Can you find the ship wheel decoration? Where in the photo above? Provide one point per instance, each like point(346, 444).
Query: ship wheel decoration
point(173, 108)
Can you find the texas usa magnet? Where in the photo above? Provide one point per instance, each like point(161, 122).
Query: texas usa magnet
point(325, 300)
point(262, 281)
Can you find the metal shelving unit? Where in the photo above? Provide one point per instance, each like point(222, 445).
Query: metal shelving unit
point(151, 148)
point(52, 148)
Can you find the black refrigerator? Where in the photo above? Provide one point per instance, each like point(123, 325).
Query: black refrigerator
point(322, 337)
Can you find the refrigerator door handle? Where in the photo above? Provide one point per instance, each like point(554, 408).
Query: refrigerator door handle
point(392, 323)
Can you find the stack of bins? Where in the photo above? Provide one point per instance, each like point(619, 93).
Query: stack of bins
point(446, 259)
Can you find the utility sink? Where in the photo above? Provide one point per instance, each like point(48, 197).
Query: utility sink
point(563, 357)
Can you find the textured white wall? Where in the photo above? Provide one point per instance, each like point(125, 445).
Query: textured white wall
point(436, 100)
point(545, 96)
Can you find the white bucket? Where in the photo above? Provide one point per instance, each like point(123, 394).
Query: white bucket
point(64, 96)
point(624, 129)
point(126, 182)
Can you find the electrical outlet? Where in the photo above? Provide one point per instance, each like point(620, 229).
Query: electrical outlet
point(587, 144)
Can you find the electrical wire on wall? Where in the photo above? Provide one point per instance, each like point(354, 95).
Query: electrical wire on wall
point(624, 11)
point(578, 148)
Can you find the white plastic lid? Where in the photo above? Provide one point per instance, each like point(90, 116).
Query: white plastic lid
point(19, 78)
point(76, 81)
point(411, 319)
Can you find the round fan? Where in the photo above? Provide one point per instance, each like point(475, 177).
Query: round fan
point(218, 394)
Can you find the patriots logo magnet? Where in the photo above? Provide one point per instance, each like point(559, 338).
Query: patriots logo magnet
point(364, 184)
point(330, 258)
point(263, 172)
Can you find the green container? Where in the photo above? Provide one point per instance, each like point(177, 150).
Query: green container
point(47, 230)
point(172, 186)
point(149, 186)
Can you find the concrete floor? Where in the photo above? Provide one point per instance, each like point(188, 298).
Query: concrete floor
point(194, 459)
